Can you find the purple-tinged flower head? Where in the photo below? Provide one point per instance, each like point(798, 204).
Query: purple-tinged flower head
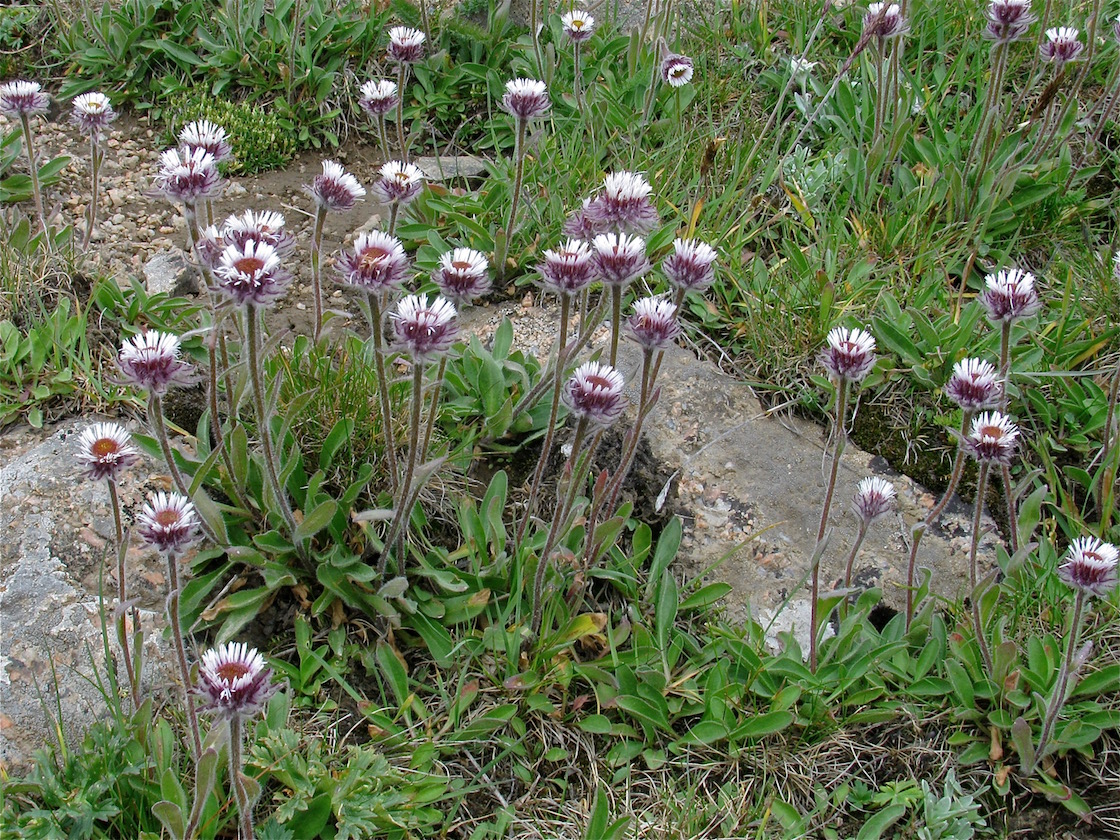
point(1062, 45)
point(462, 275)
point(92, 113)
point(168, 522)
point(873, 500)
point(974, 385)
point(425, 328)
point(992, 438)
point(1009, 295)
point(151, 361)
point(568, 269)
point(233, 681)
point(406, 45)
point(1008, 20)
point(378, 97)
point(188, 175)
point(691, 266)
point(578, 25)
point(676, 70)
point(624, 204)
point(620, 259)
point(251, 274)
point(581, 225)
point(266, 226)
point(336, 189)
point(106, 449)
point(23, 99)
point(850, 354)
point(1116, 29)
point(209, 246)
point(378, 263)
point(526, 99)
point(653, 324)
point(884, 21)
point(1090, 566)
point(595, 393)
point(398, 182)
point(208, 136)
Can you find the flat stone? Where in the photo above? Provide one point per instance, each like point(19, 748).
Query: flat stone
point(751, 487)
point(57, 592)
point(456, 166)
point(170, 273)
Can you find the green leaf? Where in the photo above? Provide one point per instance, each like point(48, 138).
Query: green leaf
point(705, 596)
point(596, 725)
point(316, 521)
point(1104, 681)
point(882, 820)
point(759, 726)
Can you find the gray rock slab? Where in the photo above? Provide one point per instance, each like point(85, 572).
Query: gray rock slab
point(454, 166)
point(750, 491)
point(170, 273)
point(56, 560)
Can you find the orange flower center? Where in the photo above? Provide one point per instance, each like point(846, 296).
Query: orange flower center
point(103, 447)
point(372, 257)
point(168, 517)
point(230, 672)
point(249, 265)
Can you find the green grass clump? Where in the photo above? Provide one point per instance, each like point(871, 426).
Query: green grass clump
point(261, 142)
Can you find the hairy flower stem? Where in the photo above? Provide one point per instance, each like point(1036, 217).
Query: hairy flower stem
point(1043, 25)
point(383, 137)
point(433, 408)
point(518, 176)
point(122, 597)
point(181, 651)
point(861, 535)
point(645, 20)
point(1061, 686)
point(155, 420)
point(398, 526)
point(841, 431)
point(576, 90)
point(316, 272)
point(534, 32)
point(646, 400)
point(264, 424)
point(29, 147)
point(402, 73)
point(608, 499)
point(550, 430)
point(989, 116)
point(564, 501)
point(616, 321)
point(587, 328)
point(882, 85)
point(651, 96)
point(394, 211)
point(425, 20)
point(1005, 471)
point(973, 574)
point(375, 307)
point(95, 169)
point(920, 529)
point(244, 806)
